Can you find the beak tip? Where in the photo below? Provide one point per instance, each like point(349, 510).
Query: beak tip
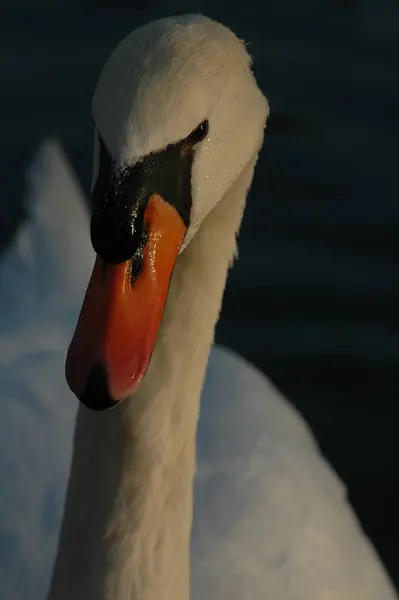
point(95, 394)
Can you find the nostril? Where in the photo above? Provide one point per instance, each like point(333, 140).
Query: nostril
point(95, 394)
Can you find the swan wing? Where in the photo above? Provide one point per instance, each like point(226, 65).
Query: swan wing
point(43, 275)
point(272, 520)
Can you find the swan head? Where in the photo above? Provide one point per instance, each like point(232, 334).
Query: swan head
point(177, 115)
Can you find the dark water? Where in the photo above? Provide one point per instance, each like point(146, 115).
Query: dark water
point(314, 298)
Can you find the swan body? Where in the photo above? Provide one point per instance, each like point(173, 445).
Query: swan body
point(270, 517)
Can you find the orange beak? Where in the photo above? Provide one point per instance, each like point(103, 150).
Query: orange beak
point(118, 324)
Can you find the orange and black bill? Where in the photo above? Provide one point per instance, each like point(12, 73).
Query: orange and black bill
point(137, 229)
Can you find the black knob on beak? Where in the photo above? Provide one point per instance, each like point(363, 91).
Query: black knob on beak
point(116, 237)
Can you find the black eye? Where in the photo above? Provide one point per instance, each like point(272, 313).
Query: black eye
point(199, 133)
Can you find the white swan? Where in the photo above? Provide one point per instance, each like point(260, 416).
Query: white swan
point(271, 520)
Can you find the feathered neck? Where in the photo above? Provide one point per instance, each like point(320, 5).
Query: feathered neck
point(128, 513)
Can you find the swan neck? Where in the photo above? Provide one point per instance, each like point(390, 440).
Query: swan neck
point(128, 513)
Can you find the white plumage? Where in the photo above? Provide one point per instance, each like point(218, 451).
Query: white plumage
point(271, 518)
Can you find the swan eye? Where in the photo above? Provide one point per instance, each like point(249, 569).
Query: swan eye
point(199, 132)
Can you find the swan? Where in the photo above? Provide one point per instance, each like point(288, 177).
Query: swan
point(270, 517)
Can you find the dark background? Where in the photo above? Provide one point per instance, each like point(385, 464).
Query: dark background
point(314, 299)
